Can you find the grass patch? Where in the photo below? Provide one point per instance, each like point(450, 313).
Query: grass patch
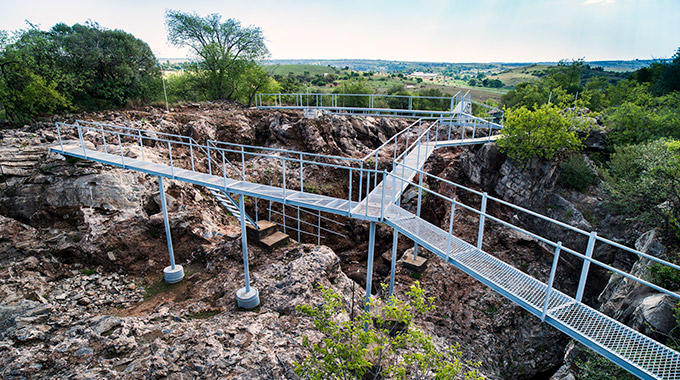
point(88, 272)
point(72, 160)
point(159, 287)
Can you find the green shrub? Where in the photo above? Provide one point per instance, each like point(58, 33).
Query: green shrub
point(383, 343)
point(540, 133)
point(664, 276)
point(576, 173)
point(642, 181)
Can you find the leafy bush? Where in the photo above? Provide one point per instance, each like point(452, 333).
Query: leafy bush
point(664, 276)
point(634, 122)
point(81, 66)
point(540, 133)
point(576, 173)
point(381, 344)
point(643, 180)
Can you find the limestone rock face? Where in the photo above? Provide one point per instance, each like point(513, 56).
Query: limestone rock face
point(482, 167)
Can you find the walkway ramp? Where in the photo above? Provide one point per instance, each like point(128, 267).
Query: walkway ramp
point(273, 193)
point(629, 348)
point(626, 347)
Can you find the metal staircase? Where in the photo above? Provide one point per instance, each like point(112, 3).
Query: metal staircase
point(376, 199)
point(230, 204)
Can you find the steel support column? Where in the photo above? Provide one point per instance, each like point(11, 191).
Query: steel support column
point(173, 273)
point(393, 265)
point(246, 297)
point(369, 268)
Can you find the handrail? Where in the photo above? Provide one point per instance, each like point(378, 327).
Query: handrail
point(585, 257)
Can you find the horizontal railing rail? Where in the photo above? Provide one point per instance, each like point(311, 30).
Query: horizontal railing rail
point(360, 180)
point(586, 256)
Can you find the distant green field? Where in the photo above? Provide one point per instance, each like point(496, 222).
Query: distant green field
point(313, 70)
point(521, 74)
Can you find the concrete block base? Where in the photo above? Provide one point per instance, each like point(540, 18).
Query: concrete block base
point(173, 275)
point(247, 300)
point(417, 265)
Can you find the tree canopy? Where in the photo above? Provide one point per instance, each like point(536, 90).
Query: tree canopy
point(82, 67)
point(226, 52)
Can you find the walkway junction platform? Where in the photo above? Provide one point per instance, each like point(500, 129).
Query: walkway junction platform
point(374, 195)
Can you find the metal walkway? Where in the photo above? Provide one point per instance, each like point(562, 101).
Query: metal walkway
point(626, 347)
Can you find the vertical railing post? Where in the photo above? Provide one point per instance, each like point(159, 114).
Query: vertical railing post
point(283, 163)
point(302, 189)
point(172, 167)
point(122, 156)
point(243, 164)
point(586, 266)
point(298, 224)
point(191, 150)
point(224, 170)
point(418, 207)
point(318, 230)
point(283, 212)
point(382, 197)
point(375, 179)
point(361, 179)
point(82, 141)
point(349, 198)
point(101, 128)
point(270, 205)
point(553, 270)
point(209, 159)
point(482, 214)
point(141, 144)
point(448, 238)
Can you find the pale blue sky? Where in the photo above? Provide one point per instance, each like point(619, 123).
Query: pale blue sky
point(433, 30)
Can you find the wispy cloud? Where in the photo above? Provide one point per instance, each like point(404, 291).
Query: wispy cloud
point(589, 2)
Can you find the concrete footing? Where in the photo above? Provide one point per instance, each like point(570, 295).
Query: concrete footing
point(247, 300)
point(173, 275)
point(415, 265)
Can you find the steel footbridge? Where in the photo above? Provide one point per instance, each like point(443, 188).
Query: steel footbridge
point(373, 188)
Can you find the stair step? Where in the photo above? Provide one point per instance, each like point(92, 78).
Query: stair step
point(266, 228)
point(275, 240)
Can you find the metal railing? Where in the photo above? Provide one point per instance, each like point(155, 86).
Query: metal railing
point(213, 158)
point(592, 237)
point(359, 101)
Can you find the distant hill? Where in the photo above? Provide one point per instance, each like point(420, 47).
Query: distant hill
point(512, 77)
point(447, 68)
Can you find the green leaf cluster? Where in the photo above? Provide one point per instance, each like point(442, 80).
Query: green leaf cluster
point(643, 180)
point(383, 343)
point(576, 173)
point(227, 55)
point(81, 67)
point(539, 133)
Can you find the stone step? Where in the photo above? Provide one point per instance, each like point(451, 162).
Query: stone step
point(266, 228)
point(275, 240)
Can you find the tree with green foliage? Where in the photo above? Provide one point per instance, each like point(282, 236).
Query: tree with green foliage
point(643, 181)
point(82, 67)
point(359, 86)
point(225, 50)
point(540, 133)
point(106, 68)
point(647, 118)
point(379, 344)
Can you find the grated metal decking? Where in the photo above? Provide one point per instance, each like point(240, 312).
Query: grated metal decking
point(628, 348)
point(277, 194)
point(632, 350)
